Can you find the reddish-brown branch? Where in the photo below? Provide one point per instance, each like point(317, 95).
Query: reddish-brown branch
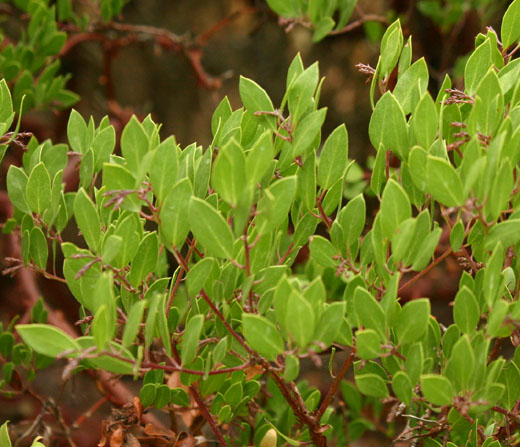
point(334, 387)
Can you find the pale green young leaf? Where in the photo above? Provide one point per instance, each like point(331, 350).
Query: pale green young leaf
point(222, 112)
point(256, 99)
point(47, 340)
point(502, 186)
point(437, 389)
point(210, 229)
point(510, 30)
point(6, 106)
point(508, 232)
point(403, 238)
point(38, 192)
point(284, 8)
point(4, 435)
point(262, 336)
point(395, 207)
point(190, 340)
point(101, 327)
point(444, 183)
point(87, 218)
point(117, 178)
point(333, 158)
point(174, 220)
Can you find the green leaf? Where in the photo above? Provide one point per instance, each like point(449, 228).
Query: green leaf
point(369, 311)
point(175, 225)
point(135, 143)
point(330, 323)
point(368, 344)
point(412, 85)
point(493, 280)
point(424, 122)
point(262, 336)
point(507, 232)
point(16, 188)
point(371, 385)
point(300, 320)
point(102, 327)
point(4, 435)
point(275, 203)
point(477, 66)
point(426, 248)
point(437, 389)
point(145, 260)
point(87, 218)
point(510, 30)
point(103, 146)
point(510, 377)
point(461, 363)
point(457, 236)
point(77, 133)
point(466, 312)
point(391, 45)
point(352, 219)
point(333, 157)
point(163, 169)
point(259, 158)
point(300, 92)
point(307, 132)
point(210, 229)
point(322, 251)
point(135, 316)
point(412, 321)
point(47, 340)
point(444, 182)
point(116, 178)
point(307, 183)
point(322, 28)
point(256, 99)
point(229, 175)
point(402, 386)
point(199, 274)
point(38, 248)
point(395, 207)
point(190, 339)
point(38, 193)
point(388, 126)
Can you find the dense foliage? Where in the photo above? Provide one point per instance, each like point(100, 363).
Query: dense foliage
point(190, 264)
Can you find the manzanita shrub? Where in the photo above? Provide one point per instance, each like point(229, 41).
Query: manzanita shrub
point(190, 263)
